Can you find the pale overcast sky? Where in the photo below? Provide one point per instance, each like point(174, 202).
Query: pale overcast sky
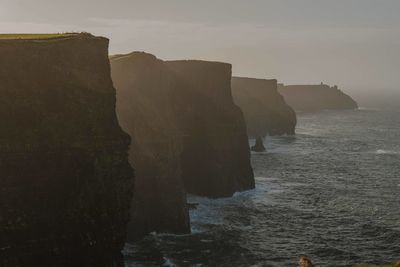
point(352, 43)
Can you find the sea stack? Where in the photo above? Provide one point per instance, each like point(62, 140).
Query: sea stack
point(216, 155)
point(265, 110)
point(66, 183)
point(147, 95)
point(314, 98)
point(259, 145)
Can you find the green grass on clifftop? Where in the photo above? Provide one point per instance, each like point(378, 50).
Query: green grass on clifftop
point(27, 36)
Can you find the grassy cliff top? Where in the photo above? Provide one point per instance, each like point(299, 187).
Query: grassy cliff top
point(35, 36)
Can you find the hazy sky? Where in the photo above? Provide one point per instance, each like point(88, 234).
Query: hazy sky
point(352, 43)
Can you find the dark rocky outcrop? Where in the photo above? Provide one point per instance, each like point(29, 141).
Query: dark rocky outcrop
point(216, 155)
point(147, 94)
point(65, 180)
point(265, 110)
point(259, 145)
point(312, 98)
point(305, 262)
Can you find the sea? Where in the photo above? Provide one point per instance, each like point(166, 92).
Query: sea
point(331, 192)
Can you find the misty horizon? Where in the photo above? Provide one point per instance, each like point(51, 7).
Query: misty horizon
point(352, 44)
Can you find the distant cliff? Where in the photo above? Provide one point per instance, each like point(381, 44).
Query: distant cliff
point(216, 155)
point(147, 93)
point(65, 184)
point(265, 110)
point(310, 98)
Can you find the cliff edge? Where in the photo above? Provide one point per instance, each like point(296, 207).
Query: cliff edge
point(65, 183)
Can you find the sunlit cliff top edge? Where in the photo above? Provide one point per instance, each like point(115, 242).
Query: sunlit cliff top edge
point(143, 53)
point(45, 36)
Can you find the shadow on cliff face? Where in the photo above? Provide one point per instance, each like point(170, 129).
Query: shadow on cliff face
point(66, 183)
point(216, 155)
point(145, 105)
point(187, 136)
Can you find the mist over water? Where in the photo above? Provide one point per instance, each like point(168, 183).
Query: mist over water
point(383, 99)
point(330, 192)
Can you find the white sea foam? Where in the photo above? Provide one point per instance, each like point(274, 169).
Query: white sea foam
point(212, 211)
point(386, 152)
point(168, 263)
point(367, 109)
point(258, 153)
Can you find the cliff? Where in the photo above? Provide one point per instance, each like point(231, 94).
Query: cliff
point(146, 96)
point(65, 184)
point(187, 136)
point(216, 154)
point(265, 110)
point(311, 98)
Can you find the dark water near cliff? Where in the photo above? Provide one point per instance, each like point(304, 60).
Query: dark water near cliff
point(332, 192)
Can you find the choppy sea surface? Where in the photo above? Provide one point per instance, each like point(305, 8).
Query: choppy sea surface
point(331, 192)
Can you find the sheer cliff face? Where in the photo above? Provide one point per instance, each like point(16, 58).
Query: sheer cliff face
point(146, 96)
point(216, 154)
point(265, 110)
point(65, 184)
point(311, 98)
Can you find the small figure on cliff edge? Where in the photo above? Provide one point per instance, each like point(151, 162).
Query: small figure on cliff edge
point(259, 146)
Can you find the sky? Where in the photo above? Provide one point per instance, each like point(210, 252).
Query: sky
point(351, 43)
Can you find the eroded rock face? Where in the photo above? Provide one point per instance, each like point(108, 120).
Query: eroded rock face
point(265, 110)
point(187, 135)
point(216, 155)
point(65, 180)
point(147, 95)
point(312, 98)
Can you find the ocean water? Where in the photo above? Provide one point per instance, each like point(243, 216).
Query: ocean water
point(332, 192)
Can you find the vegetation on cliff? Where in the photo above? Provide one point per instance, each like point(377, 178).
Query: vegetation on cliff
point(30, 36)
